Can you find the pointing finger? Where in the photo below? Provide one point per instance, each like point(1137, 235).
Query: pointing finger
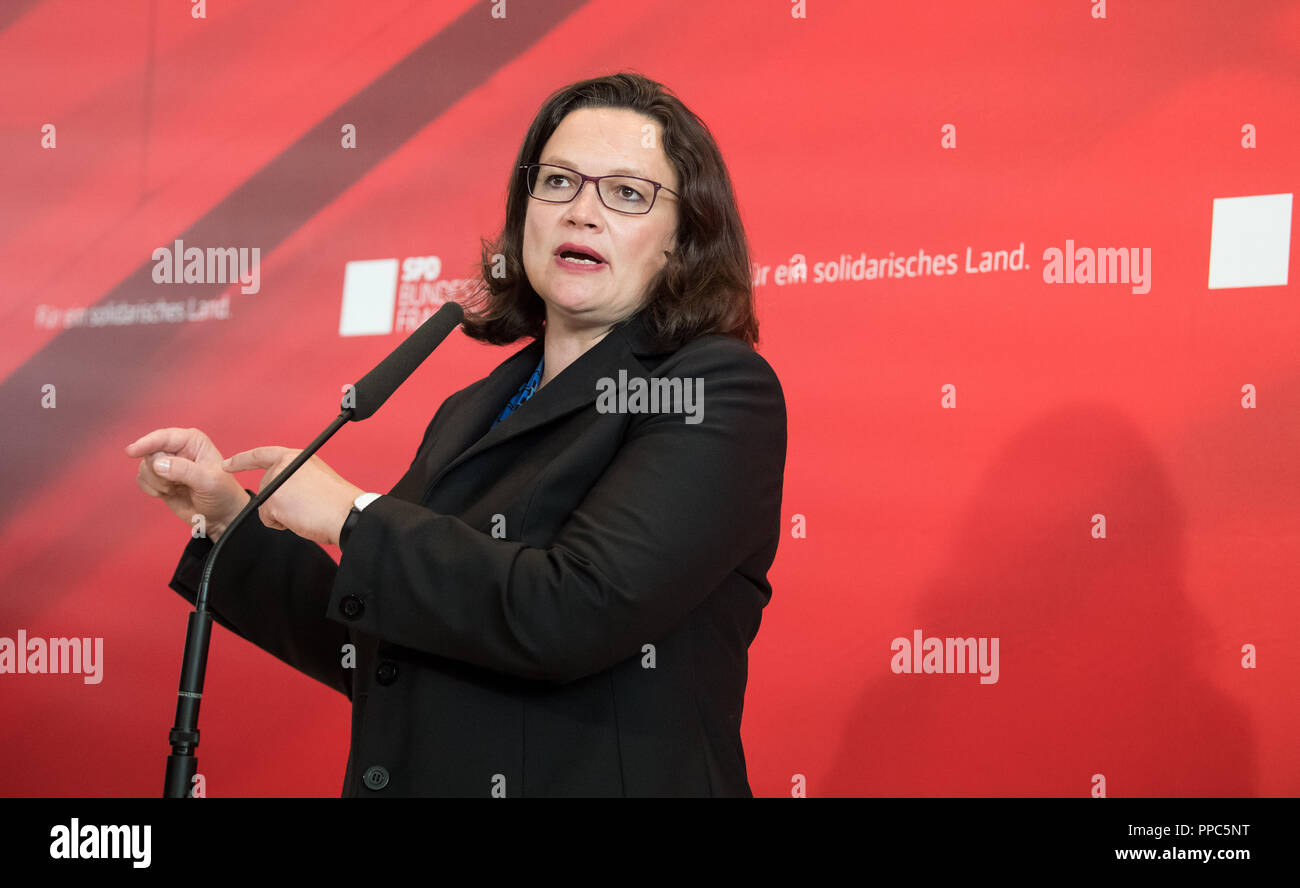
point(257, 458)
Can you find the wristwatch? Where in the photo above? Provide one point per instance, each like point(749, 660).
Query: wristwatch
point(354, 515)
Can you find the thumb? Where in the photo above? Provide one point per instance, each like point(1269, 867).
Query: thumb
point(176, 469)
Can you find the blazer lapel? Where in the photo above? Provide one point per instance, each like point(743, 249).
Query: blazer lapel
point(466, 425)
point(573, 389)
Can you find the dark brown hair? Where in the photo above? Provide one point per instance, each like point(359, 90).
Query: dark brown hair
point(705, 286)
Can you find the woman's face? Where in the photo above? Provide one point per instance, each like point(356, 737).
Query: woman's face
point(598, 141)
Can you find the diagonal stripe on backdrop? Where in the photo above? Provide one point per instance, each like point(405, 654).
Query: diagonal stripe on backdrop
point(12, 10)
point(265, 210)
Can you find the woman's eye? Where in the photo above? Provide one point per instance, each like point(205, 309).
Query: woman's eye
point(630, 193)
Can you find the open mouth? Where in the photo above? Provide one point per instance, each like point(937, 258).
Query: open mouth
point(576, 256)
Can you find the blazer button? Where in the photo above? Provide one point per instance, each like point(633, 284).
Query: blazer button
point(386, 674)
point(352, 606)
point(375, 778)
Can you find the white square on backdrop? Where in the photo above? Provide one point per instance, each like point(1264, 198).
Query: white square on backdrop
point(1250, 241)
point(369, 297)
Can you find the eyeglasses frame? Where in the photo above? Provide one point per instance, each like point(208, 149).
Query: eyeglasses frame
point(596, 179)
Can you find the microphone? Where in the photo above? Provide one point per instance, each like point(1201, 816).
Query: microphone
point(373, 389)
point(370, 392)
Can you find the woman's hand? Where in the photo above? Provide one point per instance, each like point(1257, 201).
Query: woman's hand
point(182, 467)
point(313, 503)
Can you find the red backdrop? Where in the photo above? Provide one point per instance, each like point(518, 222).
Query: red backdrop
point(953, 437)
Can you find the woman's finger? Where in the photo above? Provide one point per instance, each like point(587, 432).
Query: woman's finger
point(170, 440)
point(150, 479)
point(257, 458)
point(144, 485)
point(179, 470)
point(264, 513)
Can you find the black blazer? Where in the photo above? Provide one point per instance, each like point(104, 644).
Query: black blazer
point(561, 605)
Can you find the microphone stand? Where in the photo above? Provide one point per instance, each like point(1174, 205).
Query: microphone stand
point(371, 391)
point(182, 764)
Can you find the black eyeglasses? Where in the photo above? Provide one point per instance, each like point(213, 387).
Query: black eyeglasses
point(622, 194)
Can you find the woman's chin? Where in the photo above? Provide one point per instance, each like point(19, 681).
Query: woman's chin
point(572, 299)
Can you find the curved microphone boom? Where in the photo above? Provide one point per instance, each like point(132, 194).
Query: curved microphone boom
point(369, 394)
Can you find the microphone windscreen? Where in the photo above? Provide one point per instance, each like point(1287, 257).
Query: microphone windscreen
point(375, 387)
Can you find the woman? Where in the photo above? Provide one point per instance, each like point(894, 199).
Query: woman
point(557, 598)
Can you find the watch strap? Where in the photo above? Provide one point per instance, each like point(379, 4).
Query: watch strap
point(354, 515)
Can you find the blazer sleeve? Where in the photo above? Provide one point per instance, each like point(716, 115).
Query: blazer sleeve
point(271, 587)
point(680, 506)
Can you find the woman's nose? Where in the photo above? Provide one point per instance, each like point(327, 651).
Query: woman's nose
point(586, 205)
